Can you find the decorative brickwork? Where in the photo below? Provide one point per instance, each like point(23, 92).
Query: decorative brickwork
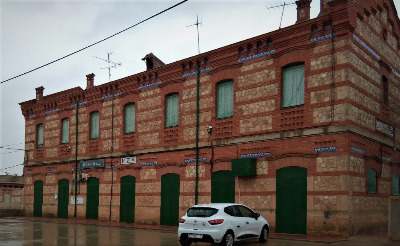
point(346, 122)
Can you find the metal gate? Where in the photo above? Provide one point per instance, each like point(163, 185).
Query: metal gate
point(169, 212)
point(291, 200)
point(37, 198)
point(127, 199)
point(62, 207)
point(92, 199)
point(222, 186)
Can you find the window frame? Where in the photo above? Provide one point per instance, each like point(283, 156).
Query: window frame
point(126, 130)
point(372, 181)
point(171, 118)
point(222, 111)
point(64, 139)
point(92, 114)
point(40, 135)
point(290, 84)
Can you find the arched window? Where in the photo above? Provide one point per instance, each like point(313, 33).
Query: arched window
point(172, 110)
point(395, 185)
point(385, 90)
point(94, 125)
point(293, 85)
point(129, 112)
point(225, 99)
point(39, 136)
point(65, 131)
point(371, 181)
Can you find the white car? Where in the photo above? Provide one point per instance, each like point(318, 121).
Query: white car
point(223, 223)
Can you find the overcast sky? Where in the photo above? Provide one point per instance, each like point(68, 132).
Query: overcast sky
point(36, 32)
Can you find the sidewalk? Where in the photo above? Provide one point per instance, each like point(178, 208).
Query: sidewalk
point(358, 240)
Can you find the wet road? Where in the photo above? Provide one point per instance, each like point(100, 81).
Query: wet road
point(31, 232)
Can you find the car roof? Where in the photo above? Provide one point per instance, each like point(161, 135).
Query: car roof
point(215, 205)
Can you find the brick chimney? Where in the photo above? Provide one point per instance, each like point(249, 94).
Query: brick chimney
point(39, 93)
point(90, 80)
point(303, 10)
point(324, 7)
point(152, 61)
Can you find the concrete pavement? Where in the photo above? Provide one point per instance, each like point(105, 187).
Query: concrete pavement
point(52, 231)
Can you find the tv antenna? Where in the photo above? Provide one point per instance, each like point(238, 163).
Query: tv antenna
point(273, 6)
point(111, 64)
point(198, 34)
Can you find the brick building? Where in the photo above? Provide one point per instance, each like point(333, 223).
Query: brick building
point(300, 123)
point(11, 195)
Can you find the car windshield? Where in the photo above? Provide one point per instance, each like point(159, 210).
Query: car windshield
point(201, 212)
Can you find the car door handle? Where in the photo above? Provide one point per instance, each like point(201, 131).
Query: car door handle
point(247, 223)
point(238, 226)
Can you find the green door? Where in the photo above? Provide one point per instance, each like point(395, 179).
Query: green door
point(127, 199)
point(169, 212)
point(222, 187)
point(62, 211)
point(37, 198)
point(291, 200)
point(92, 199)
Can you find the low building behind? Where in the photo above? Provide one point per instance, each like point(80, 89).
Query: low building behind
point(11, 195)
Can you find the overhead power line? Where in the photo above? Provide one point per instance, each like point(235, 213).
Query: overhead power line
point(73, 53)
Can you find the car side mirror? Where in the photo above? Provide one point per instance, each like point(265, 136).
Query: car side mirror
point(256, 216)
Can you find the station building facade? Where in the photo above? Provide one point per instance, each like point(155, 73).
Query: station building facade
point(301, 124)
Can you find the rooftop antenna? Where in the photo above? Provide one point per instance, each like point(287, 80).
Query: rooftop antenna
point(198, 34)
point(272, 6)
point(111, 64)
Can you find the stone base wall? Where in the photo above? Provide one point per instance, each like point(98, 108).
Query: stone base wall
point(337, 200)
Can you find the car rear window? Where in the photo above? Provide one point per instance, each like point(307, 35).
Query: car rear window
point(201, 212)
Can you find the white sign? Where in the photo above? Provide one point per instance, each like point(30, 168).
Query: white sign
point(385, 128)
point(128, 160)
point(79, 199)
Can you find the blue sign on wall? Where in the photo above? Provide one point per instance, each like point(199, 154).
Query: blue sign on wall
point(92, 164)
point(325, 149)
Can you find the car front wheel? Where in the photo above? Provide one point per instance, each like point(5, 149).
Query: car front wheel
point(227, 240)
point(264, 235)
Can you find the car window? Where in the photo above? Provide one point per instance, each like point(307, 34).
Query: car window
point(201, 212)
point(232, 211)
point(246, 212)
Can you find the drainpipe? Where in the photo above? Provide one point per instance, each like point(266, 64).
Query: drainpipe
point(76, 157)
point(196, 192)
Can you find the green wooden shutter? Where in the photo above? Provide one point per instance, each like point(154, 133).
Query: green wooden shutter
point(293, 86)
point(169, 212)
point(63, 199)
point(225, 100)
point(40, 135)
point(65, 131)
point(37, 198)
point(222, 186)
point(94, 125)
point(371, 181)
point(291, 200)
point(172, 110)
point(395, 185)
point(92, 199)
point(127, 199)
point(130, 118)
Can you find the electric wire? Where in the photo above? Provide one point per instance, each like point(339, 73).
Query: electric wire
point(75, 52)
